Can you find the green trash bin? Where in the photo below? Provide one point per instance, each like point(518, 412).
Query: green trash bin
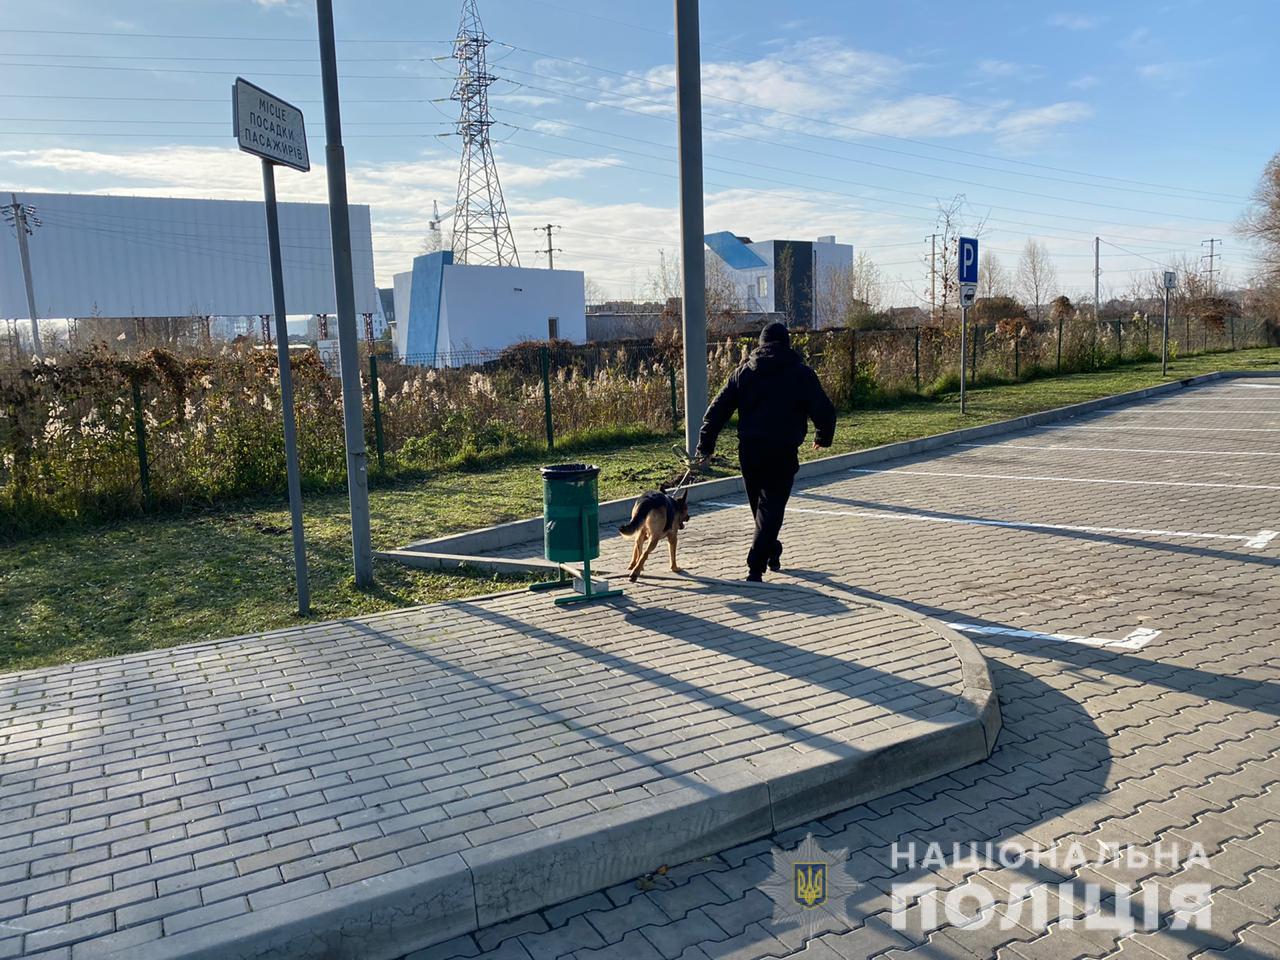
point(571, 525)
point(571, 512)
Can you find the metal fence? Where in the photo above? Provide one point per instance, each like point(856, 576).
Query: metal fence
point(100, 434)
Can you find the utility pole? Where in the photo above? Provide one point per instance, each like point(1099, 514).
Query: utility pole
point(1212, 242)
point(550, 251)
point(933, 277)
point(344, 295)
point(693, 257)
point(1097, 276)
point(22, 217)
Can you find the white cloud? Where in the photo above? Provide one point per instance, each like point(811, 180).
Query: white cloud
point(999, 68)
point(1024, 128)
point(922, 116)
point(1171, 76)
point(400, 194)
point(1074, 21)
point(798, 75)
point(1086, 82)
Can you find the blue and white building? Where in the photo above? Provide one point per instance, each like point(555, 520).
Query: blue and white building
point(782, 276)
point(447, 312)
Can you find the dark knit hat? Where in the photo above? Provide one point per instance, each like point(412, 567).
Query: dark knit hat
point(775, 333)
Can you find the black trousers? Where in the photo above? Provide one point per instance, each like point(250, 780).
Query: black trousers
point(768, 473)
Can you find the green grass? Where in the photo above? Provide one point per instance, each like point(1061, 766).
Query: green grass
point(84, 591)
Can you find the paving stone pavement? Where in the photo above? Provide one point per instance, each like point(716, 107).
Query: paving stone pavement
point(1062, 550)
point(154, 802)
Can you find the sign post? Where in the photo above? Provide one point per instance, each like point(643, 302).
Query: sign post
point(273, 130)
point(1170, 281)
point(967, 264)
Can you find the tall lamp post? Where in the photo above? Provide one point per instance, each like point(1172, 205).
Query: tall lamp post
point(344, 295)
point(693, 258)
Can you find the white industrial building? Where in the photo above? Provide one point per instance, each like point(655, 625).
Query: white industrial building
point(132, 257)
point(782, 276)
point(446, 311)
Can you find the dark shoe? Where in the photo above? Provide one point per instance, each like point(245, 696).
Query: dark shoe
point(775, 562)
point(754, 577)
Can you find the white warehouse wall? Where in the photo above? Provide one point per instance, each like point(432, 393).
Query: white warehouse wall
point(488, 308)
point(114, 256)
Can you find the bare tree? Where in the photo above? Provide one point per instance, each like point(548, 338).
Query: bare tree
point(1262, 220)
point(1037, 276)
point(592, 291)
point(950, 224)
point(723, 300)
point(664, 284)
point(848, 296)
point(992, 280)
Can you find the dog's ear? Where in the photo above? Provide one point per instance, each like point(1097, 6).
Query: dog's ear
point(683, 499)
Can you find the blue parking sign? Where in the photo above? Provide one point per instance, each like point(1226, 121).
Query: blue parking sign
point(968, 260)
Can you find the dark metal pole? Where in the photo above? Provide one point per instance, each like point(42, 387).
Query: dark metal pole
point(1164, 343)
point(344, 295)
point(545, 359)
point(286, 388)
point(377, 413)
point(693, 264)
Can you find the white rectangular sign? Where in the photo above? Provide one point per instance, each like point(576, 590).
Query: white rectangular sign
point(330, 356)
point(268, 126)
point(1170, 279)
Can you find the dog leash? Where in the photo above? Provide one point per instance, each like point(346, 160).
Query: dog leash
point(690, 465)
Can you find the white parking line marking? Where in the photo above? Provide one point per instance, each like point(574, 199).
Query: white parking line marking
point(1250, 540)
point(1206, 453)
point(1260, 386)
point(1171, 409)
point(1133, 483)
point(1134, 640)
point(1138, 428)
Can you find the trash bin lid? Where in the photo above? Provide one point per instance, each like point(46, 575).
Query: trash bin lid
point(570, 471)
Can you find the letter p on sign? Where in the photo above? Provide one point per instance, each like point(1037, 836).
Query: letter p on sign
point(968, 260)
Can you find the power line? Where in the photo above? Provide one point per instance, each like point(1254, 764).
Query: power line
point(1207, 196)
point(970, 183)
point(853, 129)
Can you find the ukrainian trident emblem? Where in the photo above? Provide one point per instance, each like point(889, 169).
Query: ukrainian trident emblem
point(811, 884)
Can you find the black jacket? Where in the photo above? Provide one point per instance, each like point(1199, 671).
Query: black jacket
point(776, 396)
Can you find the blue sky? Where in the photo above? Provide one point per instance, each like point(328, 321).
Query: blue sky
point(1145, 123)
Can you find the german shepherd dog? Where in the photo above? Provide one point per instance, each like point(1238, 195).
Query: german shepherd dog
point(657, 515)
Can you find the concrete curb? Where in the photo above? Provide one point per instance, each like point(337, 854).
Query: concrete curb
point(388, 915)
point(488, 539)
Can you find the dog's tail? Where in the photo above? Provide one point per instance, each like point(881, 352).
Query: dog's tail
point(637, 517)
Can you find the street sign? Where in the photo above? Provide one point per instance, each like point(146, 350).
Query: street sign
point(1170, 280)
point(968, 265)
point(268, 127)
point(968, 294)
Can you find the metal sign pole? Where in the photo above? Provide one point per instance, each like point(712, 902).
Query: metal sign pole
point(693, 265)
point(286, 388)
point(964, 328)
point(1164, 344)
point(344, 294)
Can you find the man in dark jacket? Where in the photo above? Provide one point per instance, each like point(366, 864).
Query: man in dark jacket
point(776, 395)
